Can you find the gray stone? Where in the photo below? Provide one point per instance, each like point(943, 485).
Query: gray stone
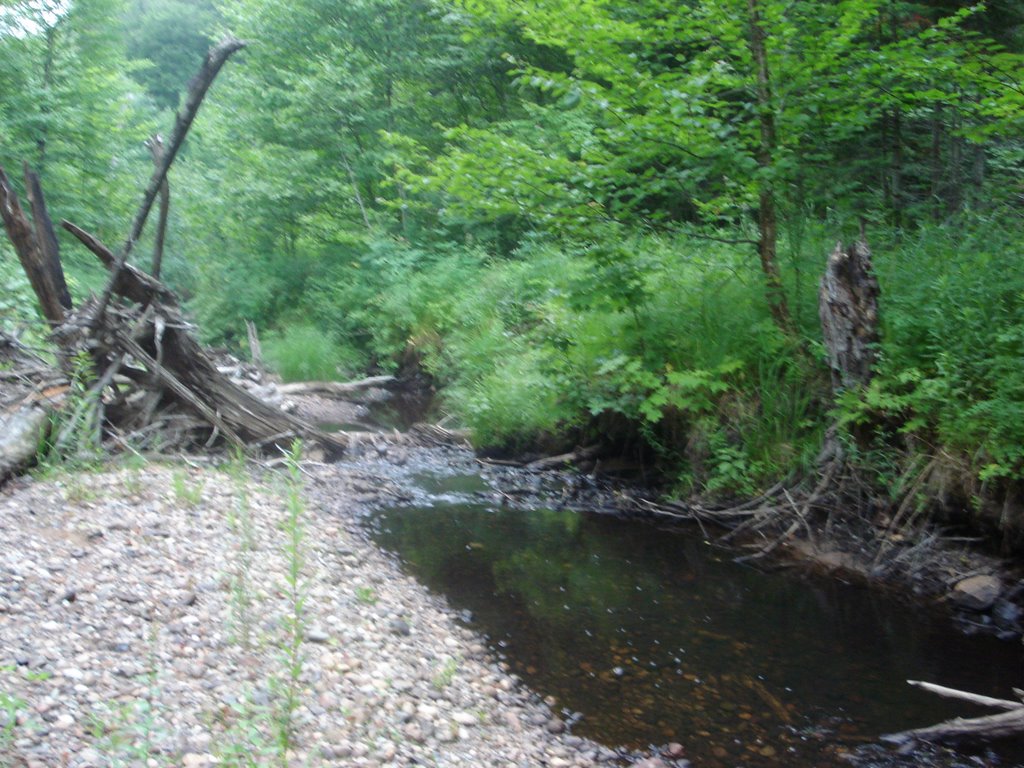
point(555, 725)
point(400, 627)
point(976, 593)
point(23, 432)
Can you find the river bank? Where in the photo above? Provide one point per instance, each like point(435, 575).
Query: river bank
point(148, 618)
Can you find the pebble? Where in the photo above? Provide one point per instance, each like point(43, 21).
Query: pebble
point(128, 596)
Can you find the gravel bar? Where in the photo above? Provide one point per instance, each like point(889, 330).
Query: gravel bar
point(147, 617)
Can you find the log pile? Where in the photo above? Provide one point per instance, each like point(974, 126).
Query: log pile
point(129, 356)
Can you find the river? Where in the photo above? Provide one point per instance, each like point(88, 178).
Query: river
point(645, 634)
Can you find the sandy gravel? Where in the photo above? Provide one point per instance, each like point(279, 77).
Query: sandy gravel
point(145, 617)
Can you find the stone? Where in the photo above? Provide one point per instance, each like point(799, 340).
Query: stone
point(317, 636)
point(651, 762)
point(976, 593)
point(675, 750)
point(555, 725)
point(1007, 614)
point(400, 627)
point(464, 718)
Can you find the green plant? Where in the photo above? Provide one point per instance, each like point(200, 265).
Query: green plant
point(124, 733)
point(295, 590)
point(243, 741)
point(128, 732)
point(186, 493)
point(366, 595)
point(444, 676)
point(10, 707)
point(75, 437)
point(305, 352)
point(241, 522)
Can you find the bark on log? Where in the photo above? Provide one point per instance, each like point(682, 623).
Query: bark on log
point(132, 283)
point(965, 729)
point(255, 349)
point(848, 307)
point(973, 698)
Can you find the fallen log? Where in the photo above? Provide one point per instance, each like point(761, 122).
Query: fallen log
point(335, 388)
point(1008, 723)
point(565, 459)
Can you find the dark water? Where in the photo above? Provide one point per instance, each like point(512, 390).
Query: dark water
point(653, 636)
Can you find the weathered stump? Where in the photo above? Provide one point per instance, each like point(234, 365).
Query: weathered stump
point(848, 308)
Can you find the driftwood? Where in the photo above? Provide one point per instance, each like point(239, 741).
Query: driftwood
point(146, 370)
point(1008, 723)
point(565, 459)
point(335, 388)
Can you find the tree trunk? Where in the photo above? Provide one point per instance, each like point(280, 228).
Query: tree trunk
point(767, 219)
point(36, 247)
point(156, 148)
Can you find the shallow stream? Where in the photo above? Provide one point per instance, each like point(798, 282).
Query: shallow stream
point(646, 635)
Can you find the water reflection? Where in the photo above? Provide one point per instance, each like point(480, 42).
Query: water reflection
point(654, 637)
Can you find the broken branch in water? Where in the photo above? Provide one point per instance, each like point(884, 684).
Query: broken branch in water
point(1008, 723)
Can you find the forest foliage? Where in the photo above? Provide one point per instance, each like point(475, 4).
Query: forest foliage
point(582, 219)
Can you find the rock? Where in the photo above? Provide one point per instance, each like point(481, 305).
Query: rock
point(90, 757)
point(23, 432)
point(555, 725)
point(399, 627)
point(651, 762)
point(317, 636)
point(976, 593)
point(464, 718)
point(675, 750)
point(1007, 614)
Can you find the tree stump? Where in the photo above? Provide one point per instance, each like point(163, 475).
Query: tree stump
point(848, 308)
